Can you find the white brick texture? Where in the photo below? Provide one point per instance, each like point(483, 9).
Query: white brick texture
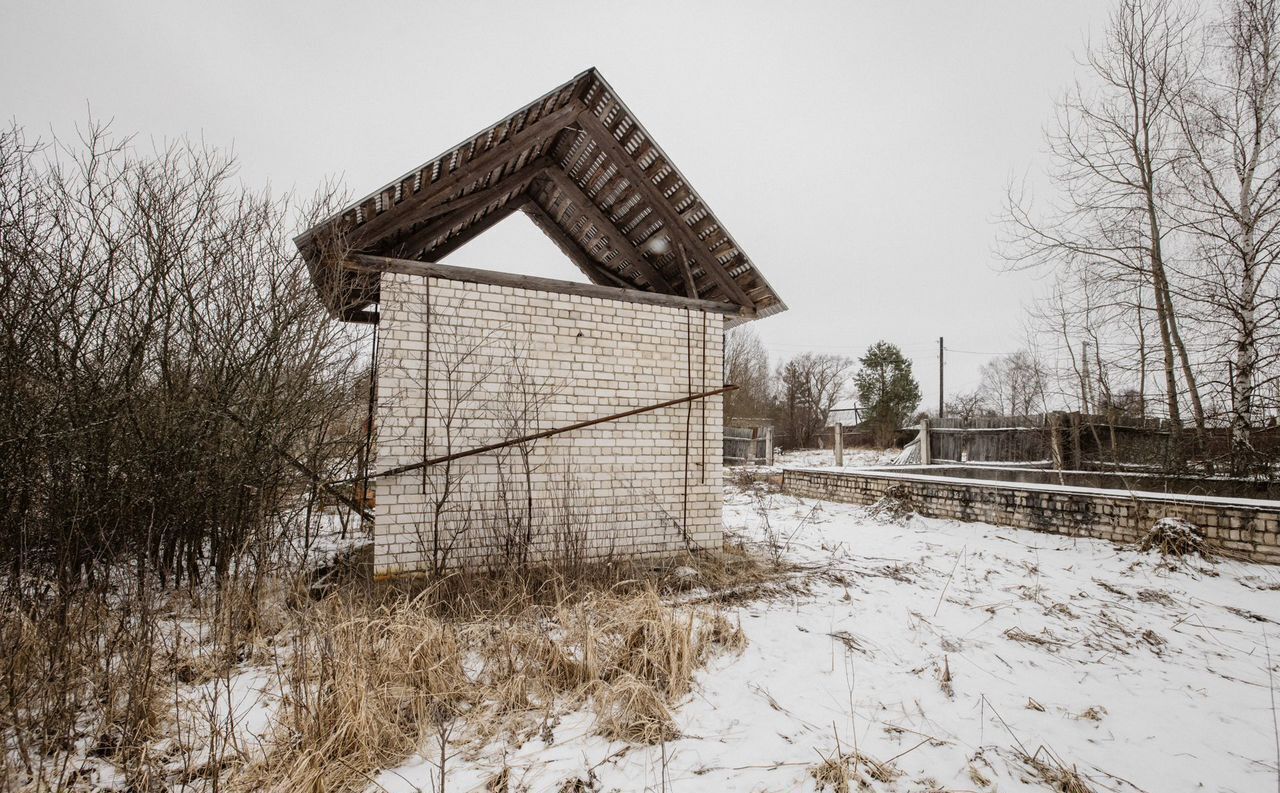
point(463, 365)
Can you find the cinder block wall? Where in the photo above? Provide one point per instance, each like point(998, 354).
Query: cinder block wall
point(463, 365)
point(1234, 526)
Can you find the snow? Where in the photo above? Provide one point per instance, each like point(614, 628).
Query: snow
point(921, 474)
point(1140, 675)
point(825, 458)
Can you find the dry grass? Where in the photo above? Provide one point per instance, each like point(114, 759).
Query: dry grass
point(894, 507)
point(1054, 774)
point(367, 686)
point(841, 769)
point(479, 594)
point(1174, 537)
point(117, 674)
point(832, 773)
point(358, 679)
point(944, 678)
point(628, 709)
point(471, 659)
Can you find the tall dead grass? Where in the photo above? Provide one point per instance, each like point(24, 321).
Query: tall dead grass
point(376, 678)
point(366, 687)
point(358, 680)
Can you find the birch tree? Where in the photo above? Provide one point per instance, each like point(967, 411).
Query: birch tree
point(1232, 187)
point(1115, 144)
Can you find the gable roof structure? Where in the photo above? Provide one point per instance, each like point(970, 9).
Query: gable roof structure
point(580, 165)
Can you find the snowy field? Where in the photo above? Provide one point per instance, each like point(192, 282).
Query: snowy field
point(952, 657)
point(825, 458)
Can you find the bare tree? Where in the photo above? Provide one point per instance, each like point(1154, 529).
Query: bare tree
point(746, 365)
point(1014, 385)
point(1232, 197)
point(966, 405)
point(1115, 147)
point(809, 386)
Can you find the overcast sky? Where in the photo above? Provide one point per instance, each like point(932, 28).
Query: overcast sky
point(858, 151)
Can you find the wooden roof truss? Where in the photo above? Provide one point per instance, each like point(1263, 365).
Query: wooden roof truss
point(578, 163)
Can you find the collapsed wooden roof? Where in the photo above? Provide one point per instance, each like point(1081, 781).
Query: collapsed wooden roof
point(581, 166)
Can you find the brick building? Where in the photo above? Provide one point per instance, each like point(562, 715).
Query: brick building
point(519, 418)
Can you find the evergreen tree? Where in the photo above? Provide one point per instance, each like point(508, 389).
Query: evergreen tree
point(887, 390)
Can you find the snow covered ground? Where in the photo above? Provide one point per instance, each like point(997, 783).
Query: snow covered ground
point(950, 653)
point(825, 458)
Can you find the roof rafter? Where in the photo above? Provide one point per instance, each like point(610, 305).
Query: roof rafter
point(587, 208)
point(469, 204)
point(589, 267)
point(671, 224)
point(630, 219)
point(474, 169)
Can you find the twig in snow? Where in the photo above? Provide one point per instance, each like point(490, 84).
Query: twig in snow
point(944, 586)
point(1275, 726)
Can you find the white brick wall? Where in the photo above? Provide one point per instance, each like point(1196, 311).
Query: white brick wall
point(474, 364)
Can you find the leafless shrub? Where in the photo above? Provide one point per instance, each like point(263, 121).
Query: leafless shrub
point(894, 507)
point(1174, 537)
point(170, 379)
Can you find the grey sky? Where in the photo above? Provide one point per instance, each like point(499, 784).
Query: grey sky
point(858, 151)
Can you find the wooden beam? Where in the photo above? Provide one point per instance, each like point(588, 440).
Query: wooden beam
point(474, 169)
point(358, 315)
point(589, 267)
point(671, 224)
point(617, 239)
point(384, 264)
point(460, 208)
point(691, 288)
point(479, 227)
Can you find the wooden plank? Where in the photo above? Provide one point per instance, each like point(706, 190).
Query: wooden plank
point(384, 264)
point(589, 267)
point(479, 227)
point(467, 172)
point(585, 206)
point(469, 204)
point(691, 288)
point(672, 225)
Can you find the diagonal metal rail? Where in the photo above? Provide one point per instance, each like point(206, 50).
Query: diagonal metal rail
point(403, 469)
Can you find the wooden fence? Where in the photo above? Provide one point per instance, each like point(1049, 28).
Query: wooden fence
point(1075, 440)
point(748, 445)
point(990, 439)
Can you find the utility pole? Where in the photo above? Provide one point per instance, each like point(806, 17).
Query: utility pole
point(941, 409)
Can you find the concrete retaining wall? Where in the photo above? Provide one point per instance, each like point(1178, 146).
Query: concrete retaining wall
point(1245, 528)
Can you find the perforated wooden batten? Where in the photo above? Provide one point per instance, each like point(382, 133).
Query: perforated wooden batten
point(580, 165)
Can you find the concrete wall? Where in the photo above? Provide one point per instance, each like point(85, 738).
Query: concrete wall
point(1240, 527)
point(462, 365)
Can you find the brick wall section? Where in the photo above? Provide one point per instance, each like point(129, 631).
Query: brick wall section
point(1238, 527)
point(463, 365)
